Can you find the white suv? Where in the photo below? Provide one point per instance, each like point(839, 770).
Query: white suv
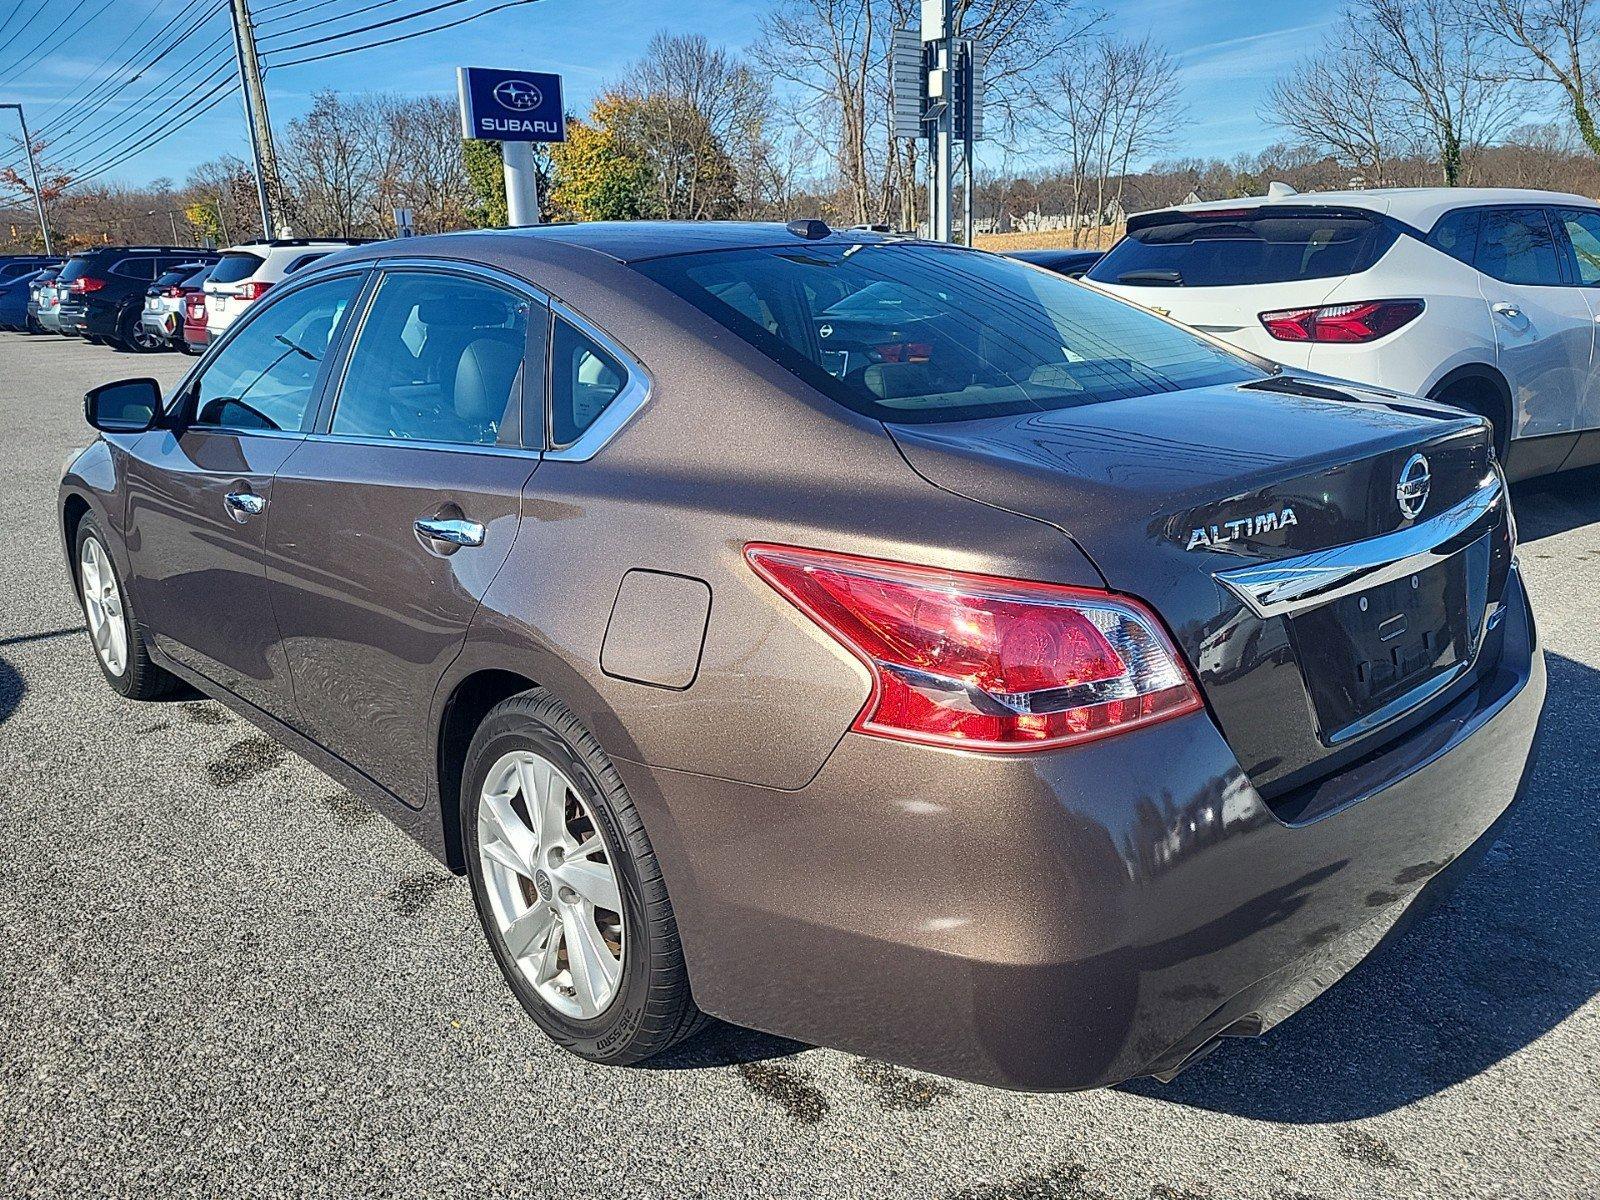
point(1484, 298)
point(246, 271)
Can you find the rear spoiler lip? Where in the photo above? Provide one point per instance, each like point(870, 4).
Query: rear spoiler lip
point(1254, 207)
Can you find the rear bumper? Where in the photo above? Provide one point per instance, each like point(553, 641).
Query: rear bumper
point(163, 324)
point(1072, 919)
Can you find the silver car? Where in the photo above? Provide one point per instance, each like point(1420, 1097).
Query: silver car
point(162, 316)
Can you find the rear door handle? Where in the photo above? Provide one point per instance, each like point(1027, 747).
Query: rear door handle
point(245, 504)
point(458, 532)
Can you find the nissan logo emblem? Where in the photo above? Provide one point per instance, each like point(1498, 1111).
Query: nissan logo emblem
point(518, 95)
point(1412, 490)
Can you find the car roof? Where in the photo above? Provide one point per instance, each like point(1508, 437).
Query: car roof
point(1418, 207)
point(629, 241)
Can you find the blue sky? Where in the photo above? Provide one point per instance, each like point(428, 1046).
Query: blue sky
point(1228, 52)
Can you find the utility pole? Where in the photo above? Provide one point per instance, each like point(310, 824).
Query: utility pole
point(33, 170)
point(255, 109)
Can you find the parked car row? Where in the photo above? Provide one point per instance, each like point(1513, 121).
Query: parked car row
point(143, 298)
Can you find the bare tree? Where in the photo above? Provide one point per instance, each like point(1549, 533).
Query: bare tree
point(1550, 42)
point(1439, 60)
point(1116, 101)
point(1342, 102)
point(695, 106)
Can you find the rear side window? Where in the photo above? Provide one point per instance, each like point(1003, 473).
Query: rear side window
point(235, 267)
point(907, 332)
point(438, 360)
point(304, 260)
point(1517, 245)
point(142, 269)
point(1244, 247)
point(1582, 226)
point(1456, 234)
point(584, 380)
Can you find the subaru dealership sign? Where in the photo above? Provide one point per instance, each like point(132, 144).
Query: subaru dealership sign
point(511, 106)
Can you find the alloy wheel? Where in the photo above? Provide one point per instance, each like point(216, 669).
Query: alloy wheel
point(102, 601)
point(551, 883)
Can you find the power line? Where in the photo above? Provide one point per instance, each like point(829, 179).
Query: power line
point(404, 37)
point(228, 89)
point(23, 28)
point(344, 16)
point(162, 99)
point(334, 37)
point(99, 99)
point(104, 62)
point(45, 46)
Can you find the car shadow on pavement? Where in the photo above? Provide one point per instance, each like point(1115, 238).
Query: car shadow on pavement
point(722, 1045)
point(11, 689)
point(1512, 954)
point(1556, 503)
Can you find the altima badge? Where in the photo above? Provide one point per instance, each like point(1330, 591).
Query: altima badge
point(1412, 490)
point(1244, 527)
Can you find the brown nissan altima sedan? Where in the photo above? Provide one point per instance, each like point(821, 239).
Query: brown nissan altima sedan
point(875, 642)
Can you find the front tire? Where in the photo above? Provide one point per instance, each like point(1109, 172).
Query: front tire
point(114, 633)
point(567, 886)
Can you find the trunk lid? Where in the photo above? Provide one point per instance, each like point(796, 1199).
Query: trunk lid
point(1170, 493)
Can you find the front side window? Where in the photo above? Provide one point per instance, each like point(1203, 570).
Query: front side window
point(1583, 232)
point(910, 332)
point(265, 376)
point(584, 380)
point(439, 359)
point(1517, 245)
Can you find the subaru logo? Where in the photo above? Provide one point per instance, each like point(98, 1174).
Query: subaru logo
point(518, 95)
point(1412, 490)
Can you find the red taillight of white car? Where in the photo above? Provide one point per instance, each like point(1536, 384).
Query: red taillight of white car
point(253, 290)
point(1347, 323)
point(978, 662)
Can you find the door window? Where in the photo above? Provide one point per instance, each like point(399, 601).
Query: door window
point(1582, 227)
point(265, 375)
point(1518, 246)
point(438, 359)
point(584, 380)
point(1456, 234)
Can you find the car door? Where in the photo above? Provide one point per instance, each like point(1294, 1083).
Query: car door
point(200, 491)
point(1581, 227)
point(391, 521)
point(1544, 329)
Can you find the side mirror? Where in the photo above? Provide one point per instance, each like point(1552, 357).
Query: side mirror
point(127, 406)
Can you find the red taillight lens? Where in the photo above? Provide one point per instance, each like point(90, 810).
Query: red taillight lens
point(85, 283)
point(982, 663)
point(1363, 322)
point(172, 293)
point(253, 291)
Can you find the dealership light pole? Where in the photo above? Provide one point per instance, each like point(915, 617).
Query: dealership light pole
point(255, 112)
point(33, 170)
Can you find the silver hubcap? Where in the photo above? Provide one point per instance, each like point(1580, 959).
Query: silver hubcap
point(551, 885)
point(103, 602)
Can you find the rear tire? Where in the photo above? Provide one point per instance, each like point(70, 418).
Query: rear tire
point(114, 632)
point(536, 869)
point(1479, 396)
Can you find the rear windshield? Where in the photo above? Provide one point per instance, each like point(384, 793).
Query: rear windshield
point(234, 267)
point(76, 268)
point(1226, 250)
point(198, 276)
point(910, 332)
point(173, 278)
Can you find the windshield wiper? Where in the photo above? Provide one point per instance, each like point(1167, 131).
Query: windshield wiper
point(300, 350)
point(1159, 276)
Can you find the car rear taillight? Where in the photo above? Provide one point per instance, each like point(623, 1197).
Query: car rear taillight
point(1363, 322)
point(253, 290)
point(85, 283)
point(171, 293)
point(983, 663)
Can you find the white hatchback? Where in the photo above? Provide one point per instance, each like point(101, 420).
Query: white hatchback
point(246, 271)
point(1484, 298)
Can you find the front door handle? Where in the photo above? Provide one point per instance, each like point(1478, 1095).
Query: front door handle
point(1507, 309)
point(456, 531)
point(245, 504)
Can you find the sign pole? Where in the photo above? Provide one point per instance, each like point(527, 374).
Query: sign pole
point(522, 184)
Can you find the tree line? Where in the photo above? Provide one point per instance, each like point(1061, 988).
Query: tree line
point(1406, 92)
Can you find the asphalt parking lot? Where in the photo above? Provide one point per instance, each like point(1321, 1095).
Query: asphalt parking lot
point(224, 976)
